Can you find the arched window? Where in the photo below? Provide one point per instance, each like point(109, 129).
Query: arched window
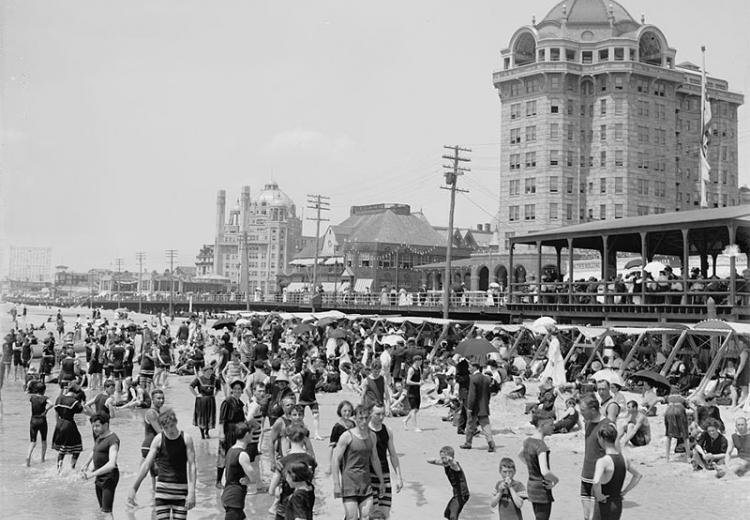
point(649, 49)
point(524, 51)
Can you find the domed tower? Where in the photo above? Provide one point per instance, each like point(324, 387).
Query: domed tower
point(598, 122)
point(274, 204)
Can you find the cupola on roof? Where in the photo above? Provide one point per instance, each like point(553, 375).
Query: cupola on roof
point(588, 12)
point(271, 195)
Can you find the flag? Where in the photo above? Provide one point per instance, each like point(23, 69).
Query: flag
point(705, 136)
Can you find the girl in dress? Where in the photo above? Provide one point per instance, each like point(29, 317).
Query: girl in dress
point(204, 388)
point(66, 439)
point(676, 421)
point(535, 454)
point(344, 411)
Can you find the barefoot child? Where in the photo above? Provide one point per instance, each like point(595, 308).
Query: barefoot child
point(457, 479)
point(535, 454)
point(298, 436)
point(299, 477)
point(609, 475)
point(509, 494)
point(38, 424)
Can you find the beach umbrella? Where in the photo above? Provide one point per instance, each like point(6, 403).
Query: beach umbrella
point(543, 325)
point(326, 321)
point(475, 349)
point(494, 285)
point(610, 376)
point(224, 322)
point(653, 378)
point(635, 262)
point(242, 322)
point(653, 268)
point(302, 328)
point(338, 333)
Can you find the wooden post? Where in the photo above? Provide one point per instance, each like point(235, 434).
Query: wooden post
point(714, 363)
point(685, 265)
point(570, 271)
point(674, 352)
point(632, 352)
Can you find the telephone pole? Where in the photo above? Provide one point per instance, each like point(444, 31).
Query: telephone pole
point(246, 271)
point(171, 255)
point(452, 173)
point(318, 203)
point(140, 256)
point(118, 266)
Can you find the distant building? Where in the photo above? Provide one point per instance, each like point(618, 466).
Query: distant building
point(204, 262)
point(30, 264)
point(378, 246)
point(599, 121)
point(255, 242)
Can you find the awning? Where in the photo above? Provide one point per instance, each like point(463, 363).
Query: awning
point(304, 261)
point(335, 260)
point(348, 273)
point(363, 285)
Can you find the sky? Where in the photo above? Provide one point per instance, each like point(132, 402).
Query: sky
point(121, 120)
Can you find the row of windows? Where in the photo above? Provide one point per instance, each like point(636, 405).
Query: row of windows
point(528, 212)
point(556, 159)
point(553, 185)
point(587, 87)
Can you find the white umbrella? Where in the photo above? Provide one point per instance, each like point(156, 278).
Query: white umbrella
point(494, 285)
point(391, 339)
point(654, 268)
point(242, 322)
point(610, 376)
point(543, 325)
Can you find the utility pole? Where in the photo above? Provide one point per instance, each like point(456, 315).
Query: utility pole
point(118, 265)
point(452, 172)
point(171, 255)
point(318, 203)
point(140, 256)
point(247, 271)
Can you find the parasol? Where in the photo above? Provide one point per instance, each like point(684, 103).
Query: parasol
point(223, 322)
point(302, 328)
point(322, 322)
point(243, 322)
point(338, 333)
point(476, 349)
point(654, 268)
point(543, 325)
point(635, 262)
point(392, 339)
point(653, 378)
point(494, 285)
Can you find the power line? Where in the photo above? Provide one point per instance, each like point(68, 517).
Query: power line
point(318, 203)
point(140, 256)
point(452, 173)
point(171, 255)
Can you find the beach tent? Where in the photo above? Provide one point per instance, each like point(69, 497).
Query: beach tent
point(670, 332)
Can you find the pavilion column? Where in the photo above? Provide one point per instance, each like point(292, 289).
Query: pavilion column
point(685, 264)
point(539, 268)
point(570, 270)
point(605, 264)
point(714, 256)
point(511, 273)
point(644, 256)
point(704, 265)
point(558, 260)
point(732, 266)
point(474, 278)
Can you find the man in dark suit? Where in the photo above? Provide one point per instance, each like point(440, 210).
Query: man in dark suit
point(478, 408)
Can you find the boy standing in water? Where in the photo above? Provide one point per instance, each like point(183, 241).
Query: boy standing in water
point(609, 475)
point(457, 479)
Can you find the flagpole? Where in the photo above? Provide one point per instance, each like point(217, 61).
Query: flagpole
point(705, 167)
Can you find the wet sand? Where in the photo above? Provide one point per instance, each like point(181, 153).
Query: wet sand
point(667, 491)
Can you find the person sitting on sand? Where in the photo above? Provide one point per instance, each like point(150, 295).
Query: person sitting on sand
point(570, 418)
point(519, 390)
point(740, 440)
point(636, 430)
point(710, 447)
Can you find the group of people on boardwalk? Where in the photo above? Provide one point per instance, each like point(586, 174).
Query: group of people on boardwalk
point(269, 373)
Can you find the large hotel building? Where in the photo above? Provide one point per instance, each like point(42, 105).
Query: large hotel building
point(599, 121)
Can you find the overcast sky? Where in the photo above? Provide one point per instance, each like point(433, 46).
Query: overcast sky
point(121, 119)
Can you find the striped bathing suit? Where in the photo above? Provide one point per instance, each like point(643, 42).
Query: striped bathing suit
point(171, 482)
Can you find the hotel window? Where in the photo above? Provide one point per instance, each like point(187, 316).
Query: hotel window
point(642, 210)
point(570, 55)
point(530, 185)
point(515, 161)
point(603, 132)
point(515, 89)
point(554, 54)
point(554, 131)
point(591, 161)
point(587, 57)
point(515, 111)
point(643, 108)
point(530, 133)
point(515, 135)
point(570, 158)
point(571, 131)
point(660, 89)
point(723, 176)
point(554, 106)
point(554, 157)
point(642, 187)
point(591, 213)
point(643, 134)
point(532, 85)
point(530, 108)
point(602, 211)
point(604, 55)
point(570, 107)
point(569, 212)
point(618, 185)
point(553, 211)
point(618, 211)
point(554, 79)
point(618, 131)
point(619, 107)
point(724, 199)
point(603, 185)
point(603, 107)
point(513, 213)
point(619, 54)
point(603, 159)
point(568, 185)
point(529, 212)
point(642, 85)
point(632, 54)
point(531, 159)
point(553, 184)
point(515, 187)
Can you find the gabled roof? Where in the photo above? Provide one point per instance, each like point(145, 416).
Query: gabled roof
point(389, 228)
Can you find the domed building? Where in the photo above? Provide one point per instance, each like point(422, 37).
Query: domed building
point(600, 121)
point(257, 239)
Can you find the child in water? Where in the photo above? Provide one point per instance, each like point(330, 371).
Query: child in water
point(38, 423)
point(457, 480)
